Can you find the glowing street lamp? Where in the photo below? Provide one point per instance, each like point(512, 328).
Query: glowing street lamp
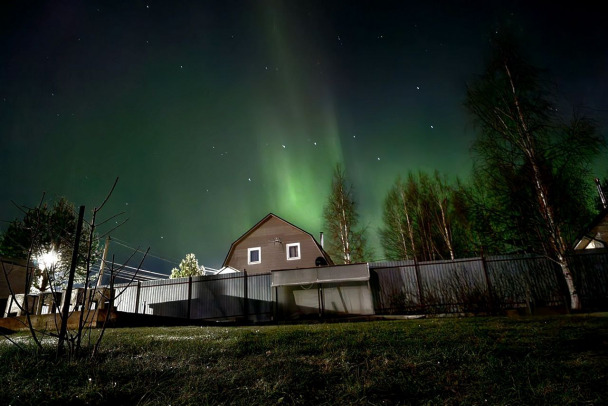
point(48, 260)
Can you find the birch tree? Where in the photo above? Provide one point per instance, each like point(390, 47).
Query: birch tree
point(423, 219)
point(528, 159)
point(346, 242)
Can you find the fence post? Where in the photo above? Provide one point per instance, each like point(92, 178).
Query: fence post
point(488, 283)
point(275, 305)
point(418, 283)
point(320, 300)
point(137, 297)
point(245, 296)
point(189, 296)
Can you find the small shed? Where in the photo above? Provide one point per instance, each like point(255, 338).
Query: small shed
point(596, 234)
point(336, 290)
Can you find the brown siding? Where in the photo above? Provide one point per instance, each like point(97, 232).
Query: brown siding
point(274, 255)
point(16, 277)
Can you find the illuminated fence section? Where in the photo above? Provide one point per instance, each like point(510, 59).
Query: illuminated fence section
point(260, 301)
point(126, 297)
point(213, 297)
point(218, 297)
point(165, 297)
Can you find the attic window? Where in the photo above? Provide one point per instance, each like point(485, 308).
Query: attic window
point(293, 251)
point(254, 255)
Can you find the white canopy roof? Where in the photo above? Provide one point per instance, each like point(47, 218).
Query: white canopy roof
point(325, 274)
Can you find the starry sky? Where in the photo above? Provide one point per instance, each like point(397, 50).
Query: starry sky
point(215, 113)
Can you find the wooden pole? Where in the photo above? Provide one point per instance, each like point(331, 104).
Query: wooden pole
point(103, 261)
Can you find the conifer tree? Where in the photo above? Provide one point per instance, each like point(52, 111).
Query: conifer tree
point(187, 267)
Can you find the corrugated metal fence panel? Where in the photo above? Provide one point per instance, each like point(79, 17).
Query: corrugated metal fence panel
point(452, 286)
point(390, 264)
point(524, 281)
point(590, 271)
point(124, 297)
point(164, 297)
point(259, 293)
point(218, 296)
point(395, 289)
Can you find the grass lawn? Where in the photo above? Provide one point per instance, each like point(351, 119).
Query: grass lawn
point(477, 361)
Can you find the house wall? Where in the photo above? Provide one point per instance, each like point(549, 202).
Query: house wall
point(16, 277)
point(274, 255)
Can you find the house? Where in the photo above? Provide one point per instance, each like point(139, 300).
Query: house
point(596, 234)
point(273, 244)
point(13, 274)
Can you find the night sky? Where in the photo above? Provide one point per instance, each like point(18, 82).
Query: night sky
point(215, 113)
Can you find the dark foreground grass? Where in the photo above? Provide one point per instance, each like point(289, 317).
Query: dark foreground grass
point(477, 361)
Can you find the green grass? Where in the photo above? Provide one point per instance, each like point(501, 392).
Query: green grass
point(477, 361)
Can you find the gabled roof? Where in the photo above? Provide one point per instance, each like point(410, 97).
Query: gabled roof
point(598, 225)
point(260, 223)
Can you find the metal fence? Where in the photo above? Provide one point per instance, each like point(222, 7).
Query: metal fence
point(473, 285)
point(491, 284)
point(200, 297)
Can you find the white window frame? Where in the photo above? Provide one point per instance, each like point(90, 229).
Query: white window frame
point(259, 250)
point(287, 246)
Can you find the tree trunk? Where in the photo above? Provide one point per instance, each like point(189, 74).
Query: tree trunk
point(575, 302)
point(546, 210)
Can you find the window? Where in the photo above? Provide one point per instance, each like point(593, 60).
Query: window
point(254, 255)
point(293, 251)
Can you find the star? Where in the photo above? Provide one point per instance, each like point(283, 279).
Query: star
point(283, 146)
point(431, 126)
point(315, 143)
point(378, 158)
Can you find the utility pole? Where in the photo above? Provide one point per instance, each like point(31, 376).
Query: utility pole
point(103, 261)
point(65, 310)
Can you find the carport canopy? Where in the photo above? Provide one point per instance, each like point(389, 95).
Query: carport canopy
point(320, 275)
